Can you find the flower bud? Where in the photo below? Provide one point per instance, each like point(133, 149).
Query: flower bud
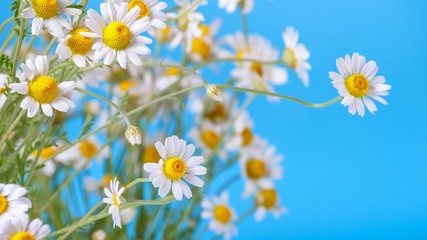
point(214, 92)
point(99, 235)
point(133, 135)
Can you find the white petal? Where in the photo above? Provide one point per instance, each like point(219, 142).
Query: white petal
point(47, 109)
point(177, 191)
point(196, 181)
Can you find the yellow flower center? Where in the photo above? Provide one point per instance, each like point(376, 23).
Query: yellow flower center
point(201, 47)
point(289, 58)
point(125, 85)
point(247, 136)
point(205, 29)
point(255, 169)
point(222, 214)
point(144, 11)
point(266, 198)
point(210, 138)
point(3, 204)
point(115, 200)
point(257, 68)
point(79, 44)
point(150, 155)
point(117, 36)
point(45, 8)
point(174, 168)
point(45, 153)
point(2, 90)
point(218, 112)
point(106, 180)
point(23, 236)
point(165, 34)
point(88, 149)
point(357, 85)
point(43, 89)
point(172, 71)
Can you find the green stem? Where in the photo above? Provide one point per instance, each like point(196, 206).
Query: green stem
point(136, 181)
point(19, 43)
point(7, 42)
point(181, 14)
point(215, 60)
point(7, 21)
point(49, 46)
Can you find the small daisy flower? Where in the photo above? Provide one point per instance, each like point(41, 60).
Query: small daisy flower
point(92, 185)
point(221, 215)
point(47, 13)
point(231, 5)
point(113, 198)
point(296, 55)
point(176, 165)
point(117, 32)
point(259, 167)
point(44, 156)
point(21, 228)
point(218, 113)
point(208, 137)
point(42, 90)
point(243, 138)
point(152, 9)
point(357, 81)
point(3, 87)
point(204, 46)
point(12, 201)
point(267, 200)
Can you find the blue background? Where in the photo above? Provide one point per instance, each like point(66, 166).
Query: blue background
point(346, 177)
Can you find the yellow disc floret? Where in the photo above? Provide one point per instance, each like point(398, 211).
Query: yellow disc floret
point(201, 47)
point(217, 112)
point(150, 155)
point(210, 138)
point(117, 36)
point(257, 68)
point(144, 11)
point(357, 85)
point(88, 149)
point(115, 200)
point(46, 152)
point(43, 89)
point(174, 168)
point(222, 214)
point(255, 169)
point(45, 8)
point(289, 58)
point(172, 71)
point(266, 198)
point(23, 236)
point(106, 180)
point(247, 136)
point(2, 90)
point(3, 204)
point(78, 43)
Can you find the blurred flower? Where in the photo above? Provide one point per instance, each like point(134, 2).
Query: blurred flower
point(221, 215)
point(215, 92)
point(12, 201)
point(133, 135)
point(92, 184)
point(295, 55)
point(267, 200)
point(208, 137)
point(127, 215)
point(93, 107)
point(204, 47)
point(21, 228)
point(99, 235)
point(357, 81)
point(3, 88)
point(45, 158)
point(42, 90)
point(113, 198)
point(231, 5)
point(176, 163)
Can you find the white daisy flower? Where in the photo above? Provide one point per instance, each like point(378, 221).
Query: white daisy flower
point(208, 137)
point(204, 46)
point(44, 156)
point(259, 167)
point(243, 138)
point(218, 113)
point(267, 200)
point(152, 9)
point(21, 228)
point(231, 5)
point(119, 38)
point(113, 198)
point(3, 87)
point(76, 46)
point(357, 81)
point(42, 90)
point(176, 164)
point(221, 215)
point(296, 55)
point(47, 13)
point(12, 201)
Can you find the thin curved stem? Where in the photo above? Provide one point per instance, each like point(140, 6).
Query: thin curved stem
point(7, 21)
point(181, 14)
point(136, 181)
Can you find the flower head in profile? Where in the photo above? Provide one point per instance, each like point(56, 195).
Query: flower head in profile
point(3, 88)
point(358, 84)
point(116, 34)
point(42, 90)
point(113, 198)
point(47, 13)
point(176, 165)
point(12, 201)
point(221, 215)
point(296, 55)
point(267, 200)
point(21, 228)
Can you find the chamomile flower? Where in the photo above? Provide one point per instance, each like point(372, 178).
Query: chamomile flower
point(204, 46)
point(176, 165)
point(152, 9)
point(259, 167)
point(231, 5)
point(3, 88)
point(208, 137)
point(243, 138)
point(12, 201)
point(357, 81)
point(42, 90)
point(47, 13)
point(113, 198)
point(220, 214)
point(296, 55)
point(218, 113)
point(116, 34)
point(45, 155)
point(92, 184)
point(267, 200)
point(21, 228)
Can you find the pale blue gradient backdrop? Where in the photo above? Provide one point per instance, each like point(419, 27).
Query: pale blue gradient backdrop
point(346, 177)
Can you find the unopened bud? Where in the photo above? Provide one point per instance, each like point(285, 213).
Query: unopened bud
point(214, 92)
point(133, 135)
point(99, 235)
